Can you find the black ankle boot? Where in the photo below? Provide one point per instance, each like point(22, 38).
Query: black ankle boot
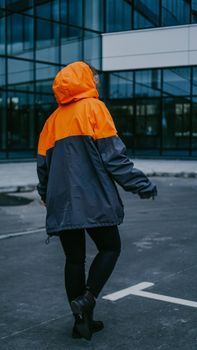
point(83, 306)
point(96, 327)
point(84, 303)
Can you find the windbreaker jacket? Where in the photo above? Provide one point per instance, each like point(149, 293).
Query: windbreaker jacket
point(80, 157)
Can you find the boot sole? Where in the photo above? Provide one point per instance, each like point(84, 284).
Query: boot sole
point(77, 335)
point(84, 329)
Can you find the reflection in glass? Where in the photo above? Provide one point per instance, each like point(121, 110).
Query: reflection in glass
point(194, 80)
point(20, 6)
point(2, 72)
point(176, 81)
point(146, 14)
point(148, 82)
point(2, 3)
point(147, 121)
point(176, 124)
point(175, 12)
point(120, 85)
point(20, 121)
point(75, 12)
point(64, 11)
point(20, 36)
point(20, 75)
point(49, 9)
point(45, 74)
point(3, 123)
point(71, 44)
point(2, 32)
point(118, 15)
point(47, 41)
point(91, 48)
point(44, 106)
point(194, 124)
point(94, 14)
point(194, 11)
point(123, 116)
point(147, 124)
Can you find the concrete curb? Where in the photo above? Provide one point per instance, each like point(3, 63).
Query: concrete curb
point(170, 174)
point(32, 187)
point(17, 189)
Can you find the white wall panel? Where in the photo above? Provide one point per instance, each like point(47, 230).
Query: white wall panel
point(150, 48)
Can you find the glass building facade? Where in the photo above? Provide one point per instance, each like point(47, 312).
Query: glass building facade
point(155, 110)
point(139, 14)
point(38, 38)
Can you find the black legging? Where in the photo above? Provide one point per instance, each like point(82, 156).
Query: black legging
point(108, 243)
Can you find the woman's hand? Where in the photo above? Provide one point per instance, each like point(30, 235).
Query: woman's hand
point(150, 192)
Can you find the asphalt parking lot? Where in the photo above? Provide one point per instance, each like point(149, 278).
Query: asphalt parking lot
point(159, 246)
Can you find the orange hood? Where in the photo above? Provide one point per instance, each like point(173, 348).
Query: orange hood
point(74, 82)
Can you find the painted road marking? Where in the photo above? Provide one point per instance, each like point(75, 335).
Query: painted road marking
point(138, 290)
point(23, 233)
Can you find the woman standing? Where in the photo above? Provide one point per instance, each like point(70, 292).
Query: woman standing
point(80, 157)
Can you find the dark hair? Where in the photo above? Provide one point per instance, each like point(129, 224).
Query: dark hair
point(93, 69)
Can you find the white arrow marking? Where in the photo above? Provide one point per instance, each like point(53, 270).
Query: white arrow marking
point(138, 290)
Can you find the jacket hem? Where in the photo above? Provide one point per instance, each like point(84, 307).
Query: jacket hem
point(56, 232)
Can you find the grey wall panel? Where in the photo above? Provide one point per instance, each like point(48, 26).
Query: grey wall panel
point(151, 48)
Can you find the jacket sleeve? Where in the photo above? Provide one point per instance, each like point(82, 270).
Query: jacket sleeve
point(120, 167)
point(42, 176)
point(114, 155)
point(42, 169)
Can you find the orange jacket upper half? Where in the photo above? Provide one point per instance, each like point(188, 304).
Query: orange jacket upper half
point(79, 111)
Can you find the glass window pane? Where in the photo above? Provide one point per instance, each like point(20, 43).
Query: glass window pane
point(121, 85)
point(3, 122)
point(20, 121)
point(2, 32)
point(64, 11)
point(2, 3)
point(2, 73)
point(71, 44)
point(92, 49)
point(49, 10)
point(194, 81)
point(176, 81)
point(148, 82)
point(20, 75)
point(20, 6)
point(94, 14)
point(47, 41)
point(147, 125)
point(175, 12)
point(194, 11)
point(146, 14)
point(123, 116)
point(194, 125)
point(20, 36)
point(75, 12)
point(101, 85)
point(44, 77)
point(44, 106)
point(176, 124)
point(118, 15)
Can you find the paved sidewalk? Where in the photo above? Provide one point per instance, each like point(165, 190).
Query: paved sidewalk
point(158, 246)
point(22, 176)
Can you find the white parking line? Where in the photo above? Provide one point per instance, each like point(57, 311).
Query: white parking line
point(23, 233)
point(138, 290)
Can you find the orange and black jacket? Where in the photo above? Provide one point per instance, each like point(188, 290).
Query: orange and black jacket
point(80, 157)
